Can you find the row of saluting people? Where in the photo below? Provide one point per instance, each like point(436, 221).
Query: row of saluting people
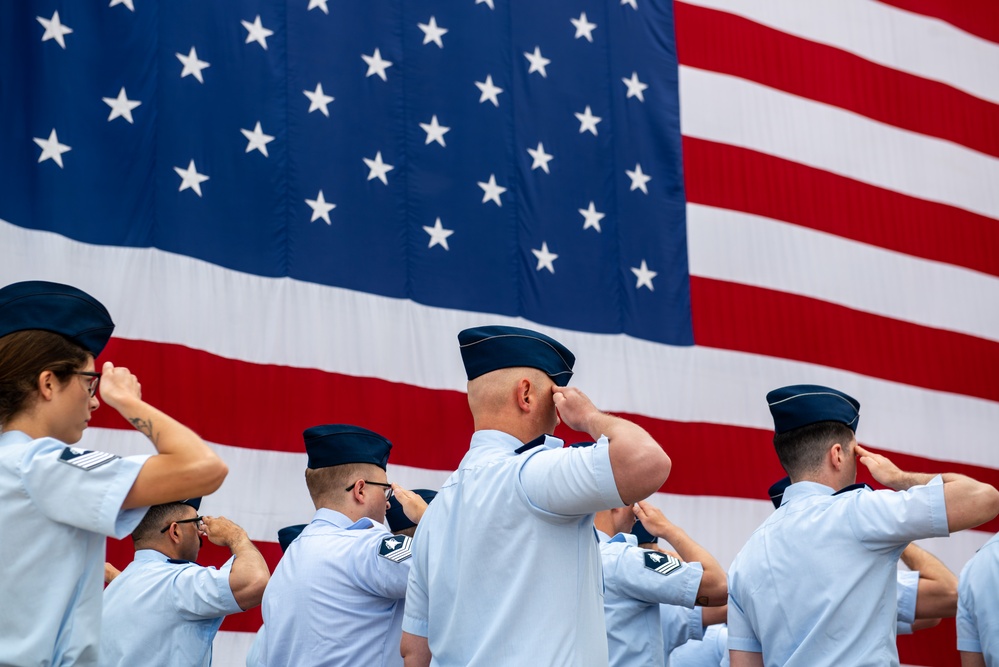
point(525, 555)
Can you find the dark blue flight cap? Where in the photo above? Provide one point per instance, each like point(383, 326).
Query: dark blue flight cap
point(486, 349)
point(288, 534)
point(803, 404)
point(61, 309)
point(396, 517)
point(193, 502)
point(338, 444)
point(776, 491)
point(643, 535)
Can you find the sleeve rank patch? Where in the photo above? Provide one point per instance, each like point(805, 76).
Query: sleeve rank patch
point(662, 563)
point(396, 548)
point(85, 459)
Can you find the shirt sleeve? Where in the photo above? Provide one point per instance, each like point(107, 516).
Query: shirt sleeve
point(385, 569)
point(81, 488)
point(679, 625)
point(651, 577)
point(415, 617)
point(907, 587)
point(740, 633)
point(888, 519)
point(204, 592)
point(570, 481)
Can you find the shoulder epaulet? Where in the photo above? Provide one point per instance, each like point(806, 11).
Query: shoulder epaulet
point(537, 442)
point(178, 561)
point(662, 563)
point(396, 548)
point(853, 487)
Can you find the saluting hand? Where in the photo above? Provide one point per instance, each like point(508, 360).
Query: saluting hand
point(413, 505)
point(574, 407)
point(653, 519)
point(118, 385)
point(882, 469)
point(223, 532)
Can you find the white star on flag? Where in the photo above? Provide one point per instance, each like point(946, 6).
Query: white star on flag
point(541, 158)
point(438, 235)
point(320, 208)
point(127, 3)
point(318, 100)
point(121, 106)
point(192, 65)
point(376, 64)
point(51, 148)
point(256, 32)
point(489, 91)
point(538, 62)
point(635, 87)
point(377, 168)
point(435, 131)
point(633, 3)
point(54, 29)
point(583, 27)
point(587, 121)
point(190, 178)
point(488, 3)
point(546, 259)
point(644, 276)
point(638, 179)
point(591, 217)
point(432, 32)
point(321, 4)
point(257, 139)
point(492, 191)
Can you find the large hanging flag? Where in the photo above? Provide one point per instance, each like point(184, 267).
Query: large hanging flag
point(292, 207)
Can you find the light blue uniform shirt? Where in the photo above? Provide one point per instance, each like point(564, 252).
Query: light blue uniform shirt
point(905, 595)
point(636, 583)
point(57, 506)
point(679, 626)
point(506, 568)
point(337, 595)
point(254, 656)
point(978, 604)
point(158, 612)
point(816, 583)
point(710, 651)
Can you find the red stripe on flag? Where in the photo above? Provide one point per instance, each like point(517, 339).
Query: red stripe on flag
point(978, 17)
point(935, 646)
point(740, 179)
point(267, 407)
point(797, 327)
point(729, 44)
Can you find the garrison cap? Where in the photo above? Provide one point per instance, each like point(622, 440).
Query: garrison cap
point(643, 535)
point(338, 444)
point(396, 517)
point(803, 404)
point(193, 502)
point(288, 534)
point(489, 348)
point(776, 491)
point(58, 308)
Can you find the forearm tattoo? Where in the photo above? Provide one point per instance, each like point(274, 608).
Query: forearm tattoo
point(144, 426)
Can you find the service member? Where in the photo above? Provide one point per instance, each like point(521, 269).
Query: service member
point(58, 503)
point(164, 608)
point(978, 608)
point(815, 584)
point(506, 568)
point(338, 593)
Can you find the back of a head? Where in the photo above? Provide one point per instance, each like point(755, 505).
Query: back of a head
point(808, 420)
point(150, 528)
point(338, 455)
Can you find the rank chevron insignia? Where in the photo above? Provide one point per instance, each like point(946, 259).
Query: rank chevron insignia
point(85, 459)
point(662, 563)
point(396, 548)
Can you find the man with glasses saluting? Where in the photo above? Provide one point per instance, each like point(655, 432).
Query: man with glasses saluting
point(164, 609)
point(338, 594)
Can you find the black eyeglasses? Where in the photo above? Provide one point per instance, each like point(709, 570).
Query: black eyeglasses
point(197, 521)
point(388, 487)
point(95, 379)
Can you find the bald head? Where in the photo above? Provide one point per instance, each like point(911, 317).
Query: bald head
point(517, 401)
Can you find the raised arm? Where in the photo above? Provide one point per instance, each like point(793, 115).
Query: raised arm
point(249, 574)
point(936, 596)
point(969, 502)
point(713, 591)
point(184, 466)
point(640, 465)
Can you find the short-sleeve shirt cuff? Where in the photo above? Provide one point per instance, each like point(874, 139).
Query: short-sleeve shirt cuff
point(414, 626)
point(695, 622)
point(969, 645)
point(125, 521)
point(743, 644)
point(604, 474)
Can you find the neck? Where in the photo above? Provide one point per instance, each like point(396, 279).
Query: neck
point(603, 522)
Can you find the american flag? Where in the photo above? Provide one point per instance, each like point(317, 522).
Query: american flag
point(292, 207)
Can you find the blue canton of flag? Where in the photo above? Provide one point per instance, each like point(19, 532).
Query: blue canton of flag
point(518, 159)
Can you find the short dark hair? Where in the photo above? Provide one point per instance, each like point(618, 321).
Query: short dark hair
point(24, 355)
point(326, 485)
point(156, 517)
point(801, 450)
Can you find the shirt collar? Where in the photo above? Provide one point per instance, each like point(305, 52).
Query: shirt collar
point(507, 442)
point(341, 520)
point(803, 490)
